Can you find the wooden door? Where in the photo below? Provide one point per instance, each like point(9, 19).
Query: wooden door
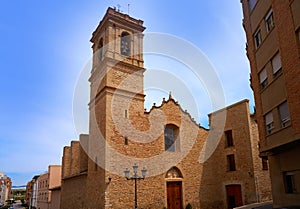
point(234, 196)
point(174, 195)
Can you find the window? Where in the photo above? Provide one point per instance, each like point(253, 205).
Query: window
point(231, 163)
point(263, 78)
point(269, 123)
point(289, 182)
point(228, 138)
point(264, 162)
point(257, 38)
point(269, 21)
point(276, 65)
point(174, 173)
point(170, 138)
point(125, 44)
point(284, 114)
point(126, 140)
point(252, 4)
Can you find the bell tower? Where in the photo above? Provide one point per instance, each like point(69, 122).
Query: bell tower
point(117, 53)
point(118, 66)
point(116, 93)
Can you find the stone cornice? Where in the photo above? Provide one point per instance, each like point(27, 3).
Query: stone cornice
point(112, 16)
point(116, 91)
point(75, 175)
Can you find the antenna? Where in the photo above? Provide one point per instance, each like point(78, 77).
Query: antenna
point(119, 6)
point(128, 8)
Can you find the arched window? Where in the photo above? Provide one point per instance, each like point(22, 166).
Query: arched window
point(125, 44)
point(171, 138)
point(174, 173)
point(100, 48)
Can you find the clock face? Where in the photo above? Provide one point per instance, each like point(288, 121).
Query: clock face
point(125, 47)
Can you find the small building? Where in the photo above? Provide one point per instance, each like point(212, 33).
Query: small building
point(29, 188)
point(43, 191)
point(5, 188)
point(235, 171)
point(46, 184)
point(32, 192)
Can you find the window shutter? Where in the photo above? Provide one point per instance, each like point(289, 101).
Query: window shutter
point(284, 111)
point(269, 118)
point(276, 63)
point(263, 75)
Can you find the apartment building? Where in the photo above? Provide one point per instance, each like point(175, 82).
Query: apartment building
point(273, 48)
point(46, 183)
point(5, 188)
point(32, 192)
point(43, 191)
point(29, 187)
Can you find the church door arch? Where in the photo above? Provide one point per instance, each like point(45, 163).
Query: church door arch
point(174, 188)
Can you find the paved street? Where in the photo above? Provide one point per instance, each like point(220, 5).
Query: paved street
point(17, 206)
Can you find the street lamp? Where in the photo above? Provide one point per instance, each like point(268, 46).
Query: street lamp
point(135, 177)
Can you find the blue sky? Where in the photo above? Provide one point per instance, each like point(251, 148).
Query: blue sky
point(45, 45)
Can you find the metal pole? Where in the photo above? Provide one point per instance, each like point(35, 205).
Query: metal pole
point(135, 193)
point(135, 177)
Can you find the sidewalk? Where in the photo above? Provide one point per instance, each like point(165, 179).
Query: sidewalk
point(261, 205)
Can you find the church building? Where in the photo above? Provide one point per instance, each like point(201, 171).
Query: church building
point(160, 158)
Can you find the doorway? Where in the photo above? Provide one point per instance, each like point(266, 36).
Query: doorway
point(234, 196)
point(174, 195)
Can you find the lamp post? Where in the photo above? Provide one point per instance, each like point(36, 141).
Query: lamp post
point(135, 177)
